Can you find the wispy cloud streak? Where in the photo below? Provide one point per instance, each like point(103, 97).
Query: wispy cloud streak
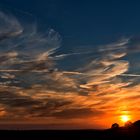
point(33, 86)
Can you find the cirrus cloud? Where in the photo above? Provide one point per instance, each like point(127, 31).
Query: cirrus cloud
point(33, 86)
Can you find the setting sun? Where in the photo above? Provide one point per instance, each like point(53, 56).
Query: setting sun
point(125, 118)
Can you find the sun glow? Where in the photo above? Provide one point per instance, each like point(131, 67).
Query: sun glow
point(124, 118)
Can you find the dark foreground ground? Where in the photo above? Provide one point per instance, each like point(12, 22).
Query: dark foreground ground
point(110, 134)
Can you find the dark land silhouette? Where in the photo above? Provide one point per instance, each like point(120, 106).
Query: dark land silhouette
point(129, 131)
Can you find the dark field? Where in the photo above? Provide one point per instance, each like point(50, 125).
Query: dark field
point(120, 133)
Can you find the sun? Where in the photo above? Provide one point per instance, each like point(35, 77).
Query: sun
point(124, 118)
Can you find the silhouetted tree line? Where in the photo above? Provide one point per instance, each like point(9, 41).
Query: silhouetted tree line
point(127, 124)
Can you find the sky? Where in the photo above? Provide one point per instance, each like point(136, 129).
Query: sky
point(69, 64)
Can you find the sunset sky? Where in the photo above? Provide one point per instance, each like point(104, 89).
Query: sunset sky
point(69, 64)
